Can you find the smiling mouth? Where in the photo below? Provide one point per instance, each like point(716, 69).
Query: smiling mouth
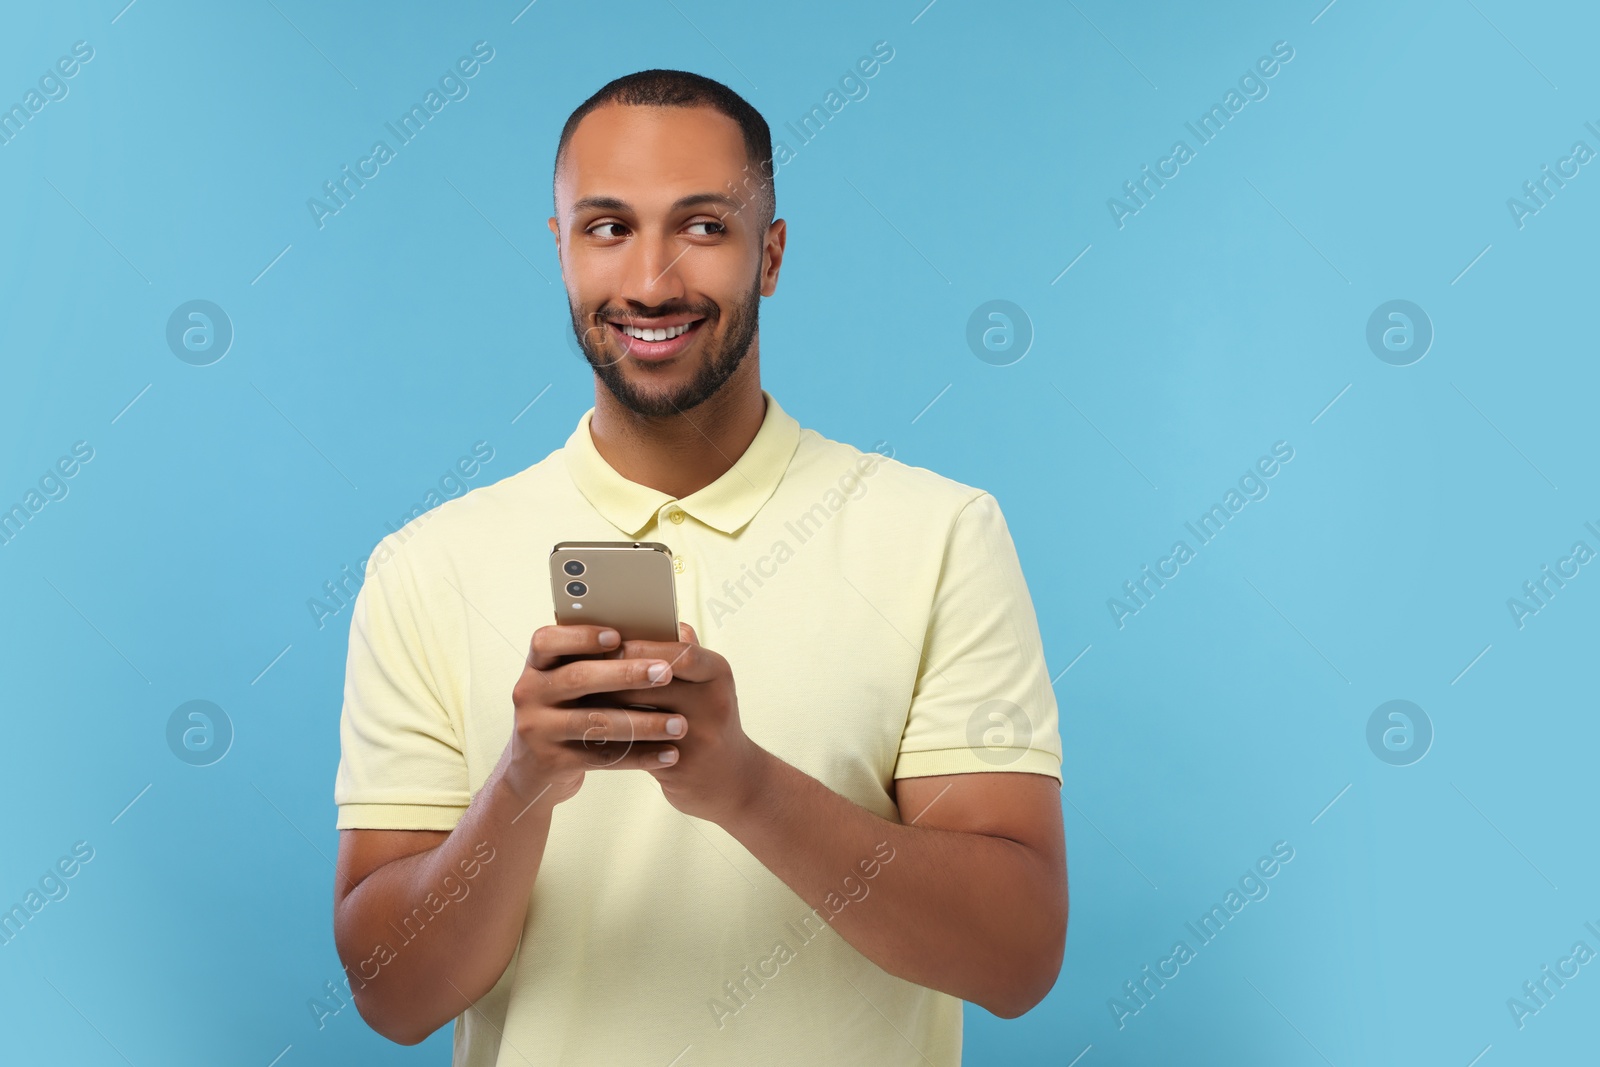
point(649, 334)
point(655, 343)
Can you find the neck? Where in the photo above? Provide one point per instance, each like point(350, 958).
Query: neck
point(682, 453)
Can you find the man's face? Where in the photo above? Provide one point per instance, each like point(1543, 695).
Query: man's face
point(664, 270)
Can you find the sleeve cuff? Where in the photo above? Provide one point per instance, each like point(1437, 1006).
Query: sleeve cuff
point(968, 761)
point(399, 816)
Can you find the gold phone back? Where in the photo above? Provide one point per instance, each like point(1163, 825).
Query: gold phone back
point(628, 586)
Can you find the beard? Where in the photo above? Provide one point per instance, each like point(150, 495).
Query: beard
point(722, 356)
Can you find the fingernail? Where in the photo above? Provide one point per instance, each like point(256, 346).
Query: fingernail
point(669, 756)
point(610, 638)
point(656, 672)
point(675, 726)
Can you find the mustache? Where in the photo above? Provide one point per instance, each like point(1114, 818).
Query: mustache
point(705, 310)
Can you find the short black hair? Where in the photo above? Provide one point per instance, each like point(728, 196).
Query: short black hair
point(680, 88)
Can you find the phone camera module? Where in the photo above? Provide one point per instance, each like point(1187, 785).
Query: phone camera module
point(576, 588)
point(573, 567)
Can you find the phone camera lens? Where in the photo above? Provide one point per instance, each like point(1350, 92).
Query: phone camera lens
point(576, 589)
point(573, 567)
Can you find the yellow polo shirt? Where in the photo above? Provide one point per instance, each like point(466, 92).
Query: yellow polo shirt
point(878, 627)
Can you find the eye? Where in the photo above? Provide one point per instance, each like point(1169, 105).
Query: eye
point(715, 228)
point(598, 230)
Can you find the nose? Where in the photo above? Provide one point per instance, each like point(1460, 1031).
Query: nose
point(652, 275)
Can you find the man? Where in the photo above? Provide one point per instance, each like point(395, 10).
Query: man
point(845, 817)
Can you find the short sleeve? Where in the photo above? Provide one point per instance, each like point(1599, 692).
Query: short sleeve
point(983, 700)
point(401, 763)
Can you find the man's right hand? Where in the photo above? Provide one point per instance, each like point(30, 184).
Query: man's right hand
point(570, 718)
point(563, 730)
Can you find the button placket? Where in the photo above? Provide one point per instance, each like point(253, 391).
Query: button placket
point(676, 515)
point(685, 579)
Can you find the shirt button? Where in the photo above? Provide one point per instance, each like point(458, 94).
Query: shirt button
point(676, 516)
point(677, 564)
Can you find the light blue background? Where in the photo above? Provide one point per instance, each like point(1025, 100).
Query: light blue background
point(1223, 317)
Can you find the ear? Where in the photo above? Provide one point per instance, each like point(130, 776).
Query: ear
point(554, 225)
point(772, 249)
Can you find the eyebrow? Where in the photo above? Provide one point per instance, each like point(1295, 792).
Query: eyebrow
point(611, 203)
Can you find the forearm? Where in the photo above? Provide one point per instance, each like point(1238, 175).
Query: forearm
point(421, 937)
point(976, 916)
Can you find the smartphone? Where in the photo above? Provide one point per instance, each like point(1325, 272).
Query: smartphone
point(626, 585)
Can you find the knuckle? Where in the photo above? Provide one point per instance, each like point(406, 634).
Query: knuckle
point(525, 692)
point(580, 673)
point(526, 727)
point(530, 688)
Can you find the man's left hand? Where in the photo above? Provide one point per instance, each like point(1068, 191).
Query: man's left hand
point(718, 764)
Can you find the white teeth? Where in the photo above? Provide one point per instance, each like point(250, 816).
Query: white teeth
point(664, 334)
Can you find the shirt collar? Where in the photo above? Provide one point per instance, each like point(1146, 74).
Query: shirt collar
point(727, 504)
